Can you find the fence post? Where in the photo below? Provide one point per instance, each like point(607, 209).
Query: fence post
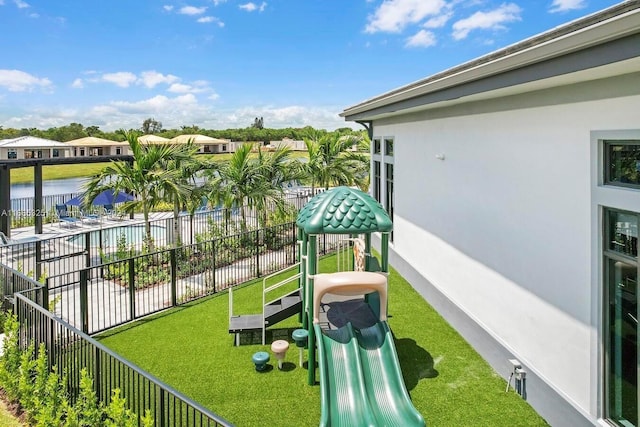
point(97, 371)
point(213, 257)
point(257, 253)
point(84, 301)
point(174, 270)
point(87, 248)
point(294, 243)
point(45, 294)
point(132, 288)
point(162, 414)
point(39, 256)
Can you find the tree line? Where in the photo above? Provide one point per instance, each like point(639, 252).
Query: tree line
point(253, 133)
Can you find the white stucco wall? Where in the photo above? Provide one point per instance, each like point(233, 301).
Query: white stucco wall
point(503, 226)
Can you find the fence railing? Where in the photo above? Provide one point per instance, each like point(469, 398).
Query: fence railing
point(23, 211)
point(100, 297)
point(83, 247)
point(70, 350)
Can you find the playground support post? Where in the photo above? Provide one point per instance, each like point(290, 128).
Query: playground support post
point(312, 258)
point(385, 253)
point(303, 277)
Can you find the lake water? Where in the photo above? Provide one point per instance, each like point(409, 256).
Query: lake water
point(49, 187)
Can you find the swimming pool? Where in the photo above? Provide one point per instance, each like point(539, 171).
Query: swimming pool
point(133, 235)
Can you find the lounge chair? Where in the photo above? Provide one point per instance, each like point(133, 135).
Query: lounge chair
point(65, 218)
point(90, 218)
point(112, 213)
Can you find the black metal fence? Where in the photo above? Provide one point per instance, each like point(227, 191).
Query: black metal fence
point(23, 210)
point(70, 350)
point(100, 297)
point(82, 247)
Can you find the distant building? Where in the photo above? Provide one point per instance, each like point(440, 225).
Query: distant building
point(93, 146)
point(31, 147)
point(295, 145)
point(205, 143)
point(513, 181)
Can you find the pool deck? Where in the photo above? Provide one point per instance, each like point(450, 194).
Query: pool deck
point(56, 229)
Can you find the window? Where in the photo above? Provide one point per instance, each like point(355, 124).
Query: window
point(82, 151)
point(376, 181)
point(622, 163)
point(12, 153)
point(224, 147)
point(389, 194)
point(118, 151)
point(621, 315)
point(55, 153)
point(376, 146)
point(388, 146)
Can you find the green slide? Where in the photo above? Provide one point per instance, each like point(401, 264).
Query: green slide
point(360, 379)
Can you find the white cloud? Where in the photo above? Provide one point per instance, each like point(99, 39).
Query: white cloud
point(214, 96)
point(392, 16)
point(77, 84)
point(217, 2)
point(121, 79)
point(158, 103)
point(422, 38)
point(19, 81)
point(251, 7)
point(492, 20)
point(151, 79)
point(438, 21)
point(192, 10)
point(168, 7)
point(564, 5)
point(208, 19)
point(21, 4)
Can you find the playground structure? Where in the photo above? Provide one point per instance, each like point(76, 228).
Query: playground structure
point(361, 382)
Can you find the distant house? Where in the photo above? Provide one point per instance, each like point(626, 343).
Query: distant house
point(205, 143)
point(513, 181)
point(31, 147)
point(292, 144)
point(93, 146)
point(152, 139)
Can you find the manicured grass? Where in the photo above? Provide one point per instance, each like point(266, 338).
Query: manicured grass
point(22, 175)
point(190, 349)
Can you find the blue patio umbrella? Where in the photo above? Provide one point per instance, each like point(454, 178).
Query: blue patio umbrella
point(107, 197)
point(76, 201)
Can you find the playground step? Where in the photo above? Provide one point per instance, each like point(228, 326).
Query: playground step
point(250, 322)
point(275, 312)
point(283, 308)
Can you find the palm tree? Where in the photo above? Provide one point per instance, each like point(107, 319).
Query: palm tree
point(331, 161)
point(147, 176)
point(276, 169)
point(185, 194)
point(238, 184)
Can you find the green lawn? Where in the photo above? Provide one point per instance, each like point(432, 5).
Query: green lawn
point(22, 175)
point(190, 349)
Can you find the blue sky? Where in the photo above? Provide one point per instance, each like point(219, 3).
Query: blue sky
point(219, 63)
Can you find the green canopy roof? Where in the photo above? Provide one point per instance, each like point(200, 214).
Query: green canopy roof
point(343, 210)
